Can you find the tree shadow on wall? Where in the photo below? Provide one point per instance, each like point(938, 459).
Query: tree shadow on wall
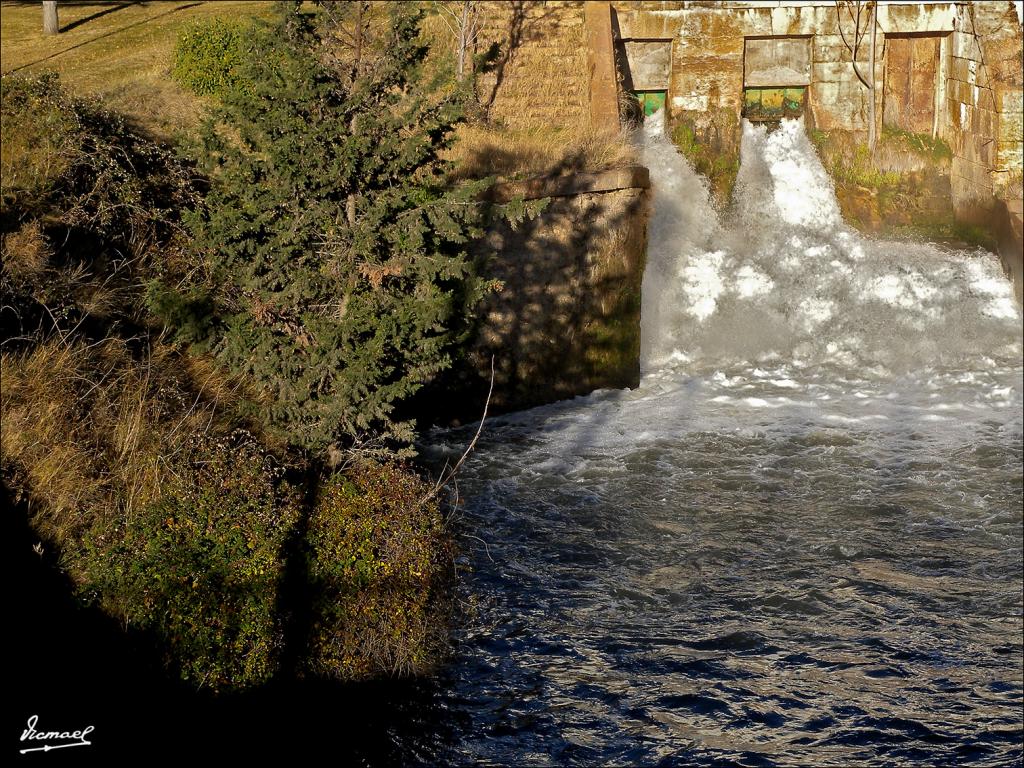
point(505, 159)
point(522, 25)
point(567, 318)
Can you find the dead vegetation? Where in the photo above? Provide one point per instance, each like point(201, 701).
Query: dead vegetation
point(96, 432)
point(480, 150)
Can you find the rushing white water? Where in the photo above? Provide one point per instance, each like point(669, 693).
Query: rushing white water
point(798, 542)
point(783, 279)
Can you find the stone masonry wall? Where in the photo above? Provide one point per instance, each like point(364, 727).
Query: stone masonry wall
point(567, 318)
point(708, 50)
point(983, 103)
point(978, 85)
point(541, 77)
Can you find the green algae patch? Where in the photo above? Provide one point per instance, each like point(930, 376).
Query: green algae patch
point(710, 142)
point(902, 189)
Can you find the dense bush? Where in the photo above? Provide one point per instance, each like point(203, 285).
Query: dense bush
point(39, 140)
point(208, 56)
point(334, 247)
point(159, 521)
point(111, 433)
point(379, 559)
point(202, 566)
point(89, 166)
point(90, 208)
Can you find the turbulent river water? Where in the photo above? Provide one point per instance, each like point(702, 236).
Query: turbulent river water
point(799, 541)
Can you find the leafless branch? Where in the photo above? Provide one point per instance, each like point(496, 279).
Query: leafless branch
point(854, 9)
point(447, 475)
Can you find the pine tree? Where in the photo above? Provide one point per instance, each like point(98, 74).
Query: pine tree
point(333, 246)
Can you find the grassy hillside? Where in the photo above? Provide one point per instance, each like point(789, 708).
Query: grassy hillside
point(120, 52)
point(129, 455)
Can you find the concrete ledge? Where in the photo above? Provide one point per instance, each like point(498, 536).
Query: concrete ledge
point(630, 177)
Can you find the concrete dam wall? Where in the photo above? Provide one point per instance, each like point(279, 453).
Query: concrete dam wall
point(567, 320)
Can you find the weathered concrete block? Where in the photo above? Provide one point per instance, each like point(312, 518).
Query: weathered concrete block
point(695, 102)
point(917, 17)
point(604, 94)
point(650, 63)
point(1010, 100)
point(832, 72)
point(1008, 224)
point(966, 46)
point(634, 23)
point(972, 177)
point(836, 106)
point(1010, 128)
point(802, 20)
point(826, 47)
point(960, 91)
point(629, 177)
point(958, 69)
point(1009, 155)
point(785, 61)
point(985, 123)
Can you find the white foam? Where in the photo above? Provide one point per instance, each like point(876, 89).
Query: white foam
point(703, 283)
point(782, 278)
point(752, 282)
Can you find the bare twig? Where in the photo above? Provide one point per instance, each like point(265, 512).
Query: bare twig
point(858, 36)
point(446, 477)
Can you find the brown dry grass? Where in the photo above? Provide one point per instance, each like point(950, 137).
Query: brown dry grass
point(480, 150)
point(26, 253)
point(94, 432)
point(121, 52)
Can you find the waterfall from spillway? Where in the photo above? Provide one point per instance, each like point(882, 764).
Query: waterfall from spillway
point(782, 277)
point(798, 542)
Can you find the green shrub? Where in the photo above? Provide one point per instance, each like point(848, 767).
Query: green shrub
point(331, 247)
point(898, 154)
point(378, 561)
point(71, 159)
point(119, 439)
point(202, 566)
point(161, 520)
point(923, 144)
point(208, 55)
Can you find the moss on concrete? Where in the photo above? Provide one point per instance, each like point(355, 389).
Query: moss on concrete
point(710, 142)
point(902, 190)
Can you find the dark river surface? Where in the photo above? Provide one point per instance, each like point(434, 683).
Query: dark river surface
point(798, 542)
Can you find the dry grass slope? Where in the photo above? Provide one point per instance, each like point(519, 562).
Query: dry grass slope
point(121, 52)
point(536, 99)
point(93, 431)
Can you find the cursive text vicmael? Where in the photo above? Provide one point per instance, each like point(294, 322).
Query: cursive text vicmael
point(31, 734)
